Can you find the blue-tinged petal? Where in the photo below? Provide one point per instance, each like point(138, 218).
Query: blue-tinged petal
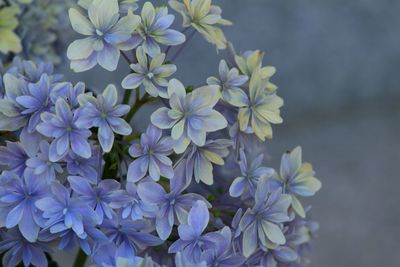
point(163, 225)
point(63, 144)
point(170, 37)
point(285, 254)
point(80, 146)
point(122, 31)
point(249, 241)
point(104, 13)
point(198, 217)
point(186, 232)
point(120, 126)
point(161, 119)
point(106, 137)
point(15, 215)
point(80, 49)
point(110, 95)
point(151, 47)
point(148, 14)
point(137, 169)
point(273, 232)
point(176, 87)
point(81, 65)
point(80, 23)
point(27, 226)
point(108, 57)
point(177, 129)
point(237, 187)
point(164, 22)
point(132, 81)
point(151, 192)
point(80, 185)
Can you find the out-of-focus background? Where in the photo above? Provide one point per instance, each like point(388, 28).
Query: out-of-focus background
point(338, 65)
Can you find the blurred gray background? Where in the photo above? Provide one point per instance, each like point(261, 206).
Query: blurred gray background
point(338, 65)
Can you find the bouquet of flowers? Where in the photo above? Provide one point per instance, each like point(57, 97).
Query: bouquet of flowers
point(191, 190)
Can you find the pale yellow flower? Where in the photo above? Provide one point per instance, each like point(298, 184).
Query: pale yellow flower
point(252, 60)
point(204, 17)
point(9, 41)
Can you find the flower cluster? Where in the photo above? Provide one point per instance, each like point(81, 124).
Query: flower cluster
point(33, 29)
point(188, 191)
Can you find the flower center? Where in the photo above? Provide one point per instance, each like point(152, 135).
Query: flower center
point(99, 33)
point(69, 129)
point(150, 75)
point(103, 115)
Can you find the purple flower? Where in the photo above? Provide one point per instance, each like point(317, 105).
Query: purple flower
point(192, 243)
point(246, 184)
point(101, 198)
point(279, 256)
point(223, 255)
point(62, 126)
point(152, 156)
point(105, 114)
point(173, 206)
point(106, 34)
point(19, 249)
point(229, 81)
point(36, 101)
point(87, 168)
point(41, 164)
point(154, 29)
point(200, 160)
point(129, 236)
point(135, 207)
point(261, 225)
point(181, 261)
point(63, 212)
point(18, 198)
point(296, 179)
point(151, 74)
point(14, 156)
point(191, 115)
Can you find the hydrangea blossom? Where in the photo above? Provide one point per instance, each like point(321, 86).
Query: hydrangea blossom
point(152, 156)
point(297, 179)
point(152, 75)
point(173, 206)
point(191, 115)
point(104, 113)
point(200, 159)
point(203, 17)
point(229, 81)
point(42, 165)
point(63, 212)
point(106, 35)
point(76, 176)
point(251, 172)
point(102, 199)
point(154, 29)
point(18, 250)
point(258, 109)
point(261, 224)
point(18, 198)
point(62, 126)
point(192, 242)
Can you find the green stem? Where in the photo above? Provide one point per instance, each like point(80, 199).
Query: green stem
point(127, 96)
point(138, 104)
point(80, 259)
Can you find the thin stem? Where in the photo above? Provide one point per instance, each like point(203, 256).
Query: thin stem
point(80, 259)
point(138, 104)
point(183, 45)
point(125, 56)
point(127, 96)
